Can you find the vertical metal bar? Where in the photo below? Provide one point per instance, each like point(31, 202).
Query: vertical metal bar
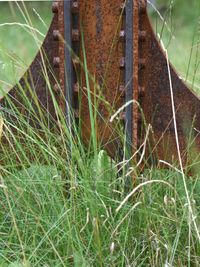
point(68, 61)
point(129, 72)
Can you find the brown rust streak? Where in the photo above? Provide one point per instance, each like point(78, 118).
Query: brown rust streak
point(100, 21)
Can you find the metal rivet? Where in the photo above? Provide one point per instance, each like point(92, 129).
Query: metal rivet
point(141, 91)
point(76, 113)
point(75, 35)
point(122, 63)
point(56, 62)
point(122, 8)
point(121, 90)
point(76, 88)
point(142, 35)
point(76, 62)
point(75, 7)
point(142, 6)
point(139, 118)
point(122, 116)
point(55, 6)
point(102, 111)
point(122, 36)
point(56, 35)
point(57, 88)
point(142, 63)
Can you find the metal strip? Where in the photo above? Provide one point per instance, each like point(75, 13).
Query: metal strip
point(68, 61)
point(129, 72)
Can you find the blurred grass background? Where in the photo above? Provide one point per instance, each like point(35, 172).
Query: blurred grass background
point(179, 29)
point(18, 44)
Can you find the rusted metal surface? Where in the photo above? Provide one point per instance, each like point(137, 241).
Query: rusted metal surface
point(46, 71)
point(125, 62)
point(156, 101)
point(100, 23)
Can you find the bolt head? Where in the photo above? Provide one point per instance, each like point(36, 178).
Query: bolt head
point(75, 7)
point(141, 91)
point(122, 116)
point(75, 35)
point(122, 36)
point(76, 113)
point(122, 63)
point(121, 90)
point(142, 6)
point(56, 62)
point(142, 36)
point(122, 8)
point(55, 6)
point(57, 88)
point(76, 62)
point(142, 63)
point(76, 88)
point(56, 35)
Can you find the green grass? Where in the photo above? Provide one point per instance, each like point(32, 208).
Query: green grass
point(18, 43)
point(63, 204)
point(181, 37)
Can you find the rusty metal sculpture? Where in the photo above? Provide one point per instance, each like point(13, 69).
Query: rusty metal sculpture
point(123, 63)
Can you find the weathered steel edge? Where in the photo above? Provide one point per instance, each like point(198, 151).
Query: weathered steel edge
point(157, 103)
point(34, 75)
point(129, 74)
point(49, 57)
point(68, 61)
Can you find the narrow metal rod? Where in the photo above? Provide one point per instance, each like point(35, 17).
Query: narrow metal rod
point(68, 61)
point(129, 72)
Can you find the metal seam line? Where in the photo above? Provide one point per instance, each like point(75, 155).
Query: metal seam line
point(68, 61)
point(129, 72)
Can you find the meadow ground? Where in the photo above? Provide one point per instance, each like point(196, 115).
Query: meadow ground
point(67, 208)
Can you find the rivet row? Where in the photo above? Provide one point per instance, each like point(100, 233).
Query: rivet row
point(142, 37)
point(75, 36)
